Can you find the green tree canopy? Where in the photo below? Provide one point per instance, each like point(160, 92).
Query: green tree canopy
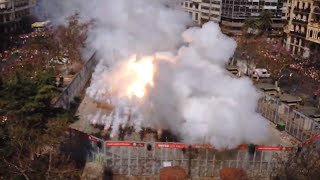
point(250, 23)
point(32, 123)
point(250, 26)
point(265, 21)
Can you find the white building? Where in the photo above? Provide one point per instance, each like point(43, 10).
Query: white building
point(11, 13)
point(203, 11)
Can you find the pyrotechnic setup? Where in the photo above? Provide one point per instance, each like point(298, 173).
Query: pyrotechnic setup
point(146, 152)
point(141, 157)
point(130, 151)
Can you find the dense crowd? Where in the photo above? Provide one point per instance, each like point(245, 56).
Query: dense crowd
point(23, 49)
point(311, 72)
point(304, 66)
point(274, 51)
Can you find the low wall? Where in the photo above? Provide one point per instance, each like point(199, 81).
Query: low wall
point(77, 84)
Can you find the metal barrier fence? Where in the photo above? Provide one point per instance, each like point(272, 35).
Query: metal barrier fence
point(197, 162)
point(77, 84)
point(147, 158)
point(297, 124)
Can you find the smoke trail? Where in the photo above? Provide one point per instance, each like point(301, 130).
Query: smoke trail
point(192, 95)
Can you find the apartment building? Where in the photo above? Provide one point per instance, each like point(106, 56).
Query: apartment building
point(235, 12)
point(11, 13)
point(231, 14)
point(303, 27)
point(202, 11)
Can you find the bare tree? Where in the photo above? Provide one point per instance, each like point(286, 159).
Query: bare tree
point(302, 164)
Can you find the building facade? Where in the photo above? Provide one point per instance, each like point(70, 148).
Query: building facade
point(235, 12)
point(203, 11)
point(11, 13)
point(303, 27)
point(231, 14)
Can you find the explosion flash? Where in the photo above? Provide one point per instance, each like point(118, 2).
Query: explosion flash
point(142, 71)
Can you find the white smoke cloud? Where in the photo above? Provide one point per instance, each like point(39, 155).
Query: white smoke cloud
point(193, 95)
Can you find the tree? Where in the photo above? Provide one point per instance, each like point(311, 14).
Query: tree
point(34, 129)
point(303, 164)
point(265, 21)
point(250, 25)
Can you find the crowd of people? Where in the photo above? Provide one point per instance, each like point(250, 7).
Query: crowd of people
point(21, 51)
point(274, 51)
point(311, 72)
point(304, 66)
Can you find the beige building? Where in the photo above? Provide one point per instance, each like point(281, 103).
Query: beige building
point(303, 27)
point(203, 11)
point(11, 13)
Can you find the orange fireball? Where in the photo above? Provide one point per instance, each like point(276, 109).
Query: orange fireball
point(142, 71)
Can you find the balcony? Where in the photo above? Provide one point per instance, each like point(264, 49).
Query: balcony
point(299, 34)
point(314, 24)
point(314, 36)
point(6, 11)
point(316, 11)
point(304, 11)
point(300, 21)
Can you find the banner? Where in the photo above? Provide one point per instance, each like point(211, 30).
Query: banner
point(273, 148)
point(124, 144)
point(172, 145)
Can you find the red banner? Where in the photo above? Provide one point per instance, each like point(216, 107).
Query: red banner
point(124, 144)
point(172, 145)
point(268, 148)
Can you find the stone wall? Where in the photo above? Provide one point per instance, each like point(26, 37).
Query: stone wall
point(77, 84)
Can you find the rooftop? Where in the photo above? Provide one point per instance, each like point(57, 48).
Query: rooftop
point(309, 111)
point(266, 86)
point(287, 98)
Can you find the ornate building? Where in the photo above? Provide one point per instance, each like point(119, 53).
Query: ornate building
point(303, 27)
